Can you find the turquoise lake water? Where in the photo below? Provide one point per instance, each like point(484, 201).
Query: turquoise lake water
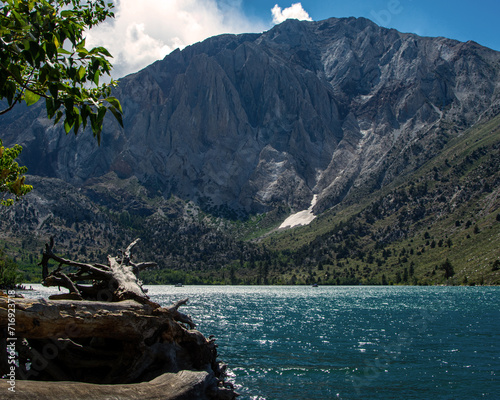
point(351, 342)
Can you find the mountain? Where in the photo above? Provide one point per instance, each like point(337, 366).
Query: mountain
point(438, 225)
point(226, 138)
point(246, 122)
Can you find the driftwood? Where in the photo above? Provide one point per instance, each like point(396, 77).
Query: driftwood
point(183, 385)
point(113, 282)
point(75, 346)
point(38, 319)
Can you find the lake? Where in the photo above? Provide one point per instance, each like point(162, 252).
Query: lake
point(362, 342)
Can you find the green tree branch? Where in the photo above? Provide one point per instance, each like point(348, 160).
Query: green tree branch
point(43, 54)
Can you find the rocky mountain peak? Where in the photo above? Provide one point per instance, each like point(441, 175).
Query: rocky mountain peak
point(335, 108)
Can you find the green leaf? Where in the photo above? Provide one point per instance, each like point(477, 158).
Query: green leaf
point(78, 119)
point(82, 52)
point(69, 122)
point(81, 72)
point(67, 126)
point(117, 115)
point(67, 13)
point(58, 117)
point(115, 103)
point(96, 78)
point(54, 91)
point(17, 16)
point(51, 51)
point(49, 104)
point(31, 98)
point(9, 90)
point(56, 42)
point(104, 51)
point(100, 114)
point(93, 122)
point(15, 70)
point(63, 51)
point(35, 54)
point(81, 46)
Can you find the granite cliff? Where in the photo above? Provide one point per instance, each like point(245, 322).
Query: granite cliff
point(336, 108)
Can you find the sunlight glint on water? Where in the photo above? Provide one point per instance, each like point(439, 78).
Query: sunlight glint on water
point(351, 342)
point(346, 343)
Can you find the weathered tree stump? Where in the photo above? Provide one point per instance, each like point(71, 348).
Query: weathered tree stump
point(79, 346)
point(113, 282)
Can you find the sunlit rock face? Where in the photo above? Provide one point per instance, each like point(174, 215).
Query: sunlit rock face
point(335, 108)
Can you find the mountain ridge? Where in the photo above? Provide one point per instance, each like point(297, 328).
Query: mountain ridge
point(249, 121)
point(447, 213)
point(226, 138)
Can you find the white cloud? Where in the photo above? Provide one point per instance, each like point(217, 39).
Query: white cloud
point(295, 11)
point(147, 30)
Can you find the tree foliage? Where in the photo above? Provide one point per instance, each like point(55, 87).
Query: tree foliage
point(8, 271)
point(43, 54)
point(11, 175)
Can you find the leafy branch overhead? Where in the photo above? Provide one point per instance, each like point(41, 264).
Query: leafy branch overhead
point(11, 175)
point(43, 54)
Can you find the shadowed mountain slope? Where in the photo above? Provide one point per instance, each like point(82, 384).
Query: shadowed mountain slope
point(244, 123)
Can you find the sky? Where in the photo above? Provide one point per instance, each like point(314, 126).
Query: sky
point(147, 30)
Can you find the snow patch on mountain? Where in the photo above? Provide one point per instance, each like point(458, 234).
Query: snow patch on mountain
point(304, 217)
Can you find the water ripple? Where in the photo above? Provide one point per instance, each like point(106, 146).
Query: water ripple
point(351, 342)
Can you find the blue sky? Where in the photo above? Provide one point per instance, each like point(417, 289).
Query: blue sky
point(147, 30)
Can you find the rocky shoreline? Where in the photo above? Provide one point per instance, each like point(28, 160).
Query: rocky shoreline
point(93, 350)
point(104, 340)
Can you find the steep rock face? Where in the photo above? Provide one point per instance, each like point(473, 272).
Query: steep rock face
point(335, 108)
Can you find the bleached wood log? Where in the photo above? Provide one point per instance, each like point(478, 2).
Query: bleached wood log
point(198, 385)
point(116, 281)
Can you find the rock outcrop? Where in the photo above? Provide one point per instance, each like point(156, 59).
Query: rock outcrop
point(335, 108)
